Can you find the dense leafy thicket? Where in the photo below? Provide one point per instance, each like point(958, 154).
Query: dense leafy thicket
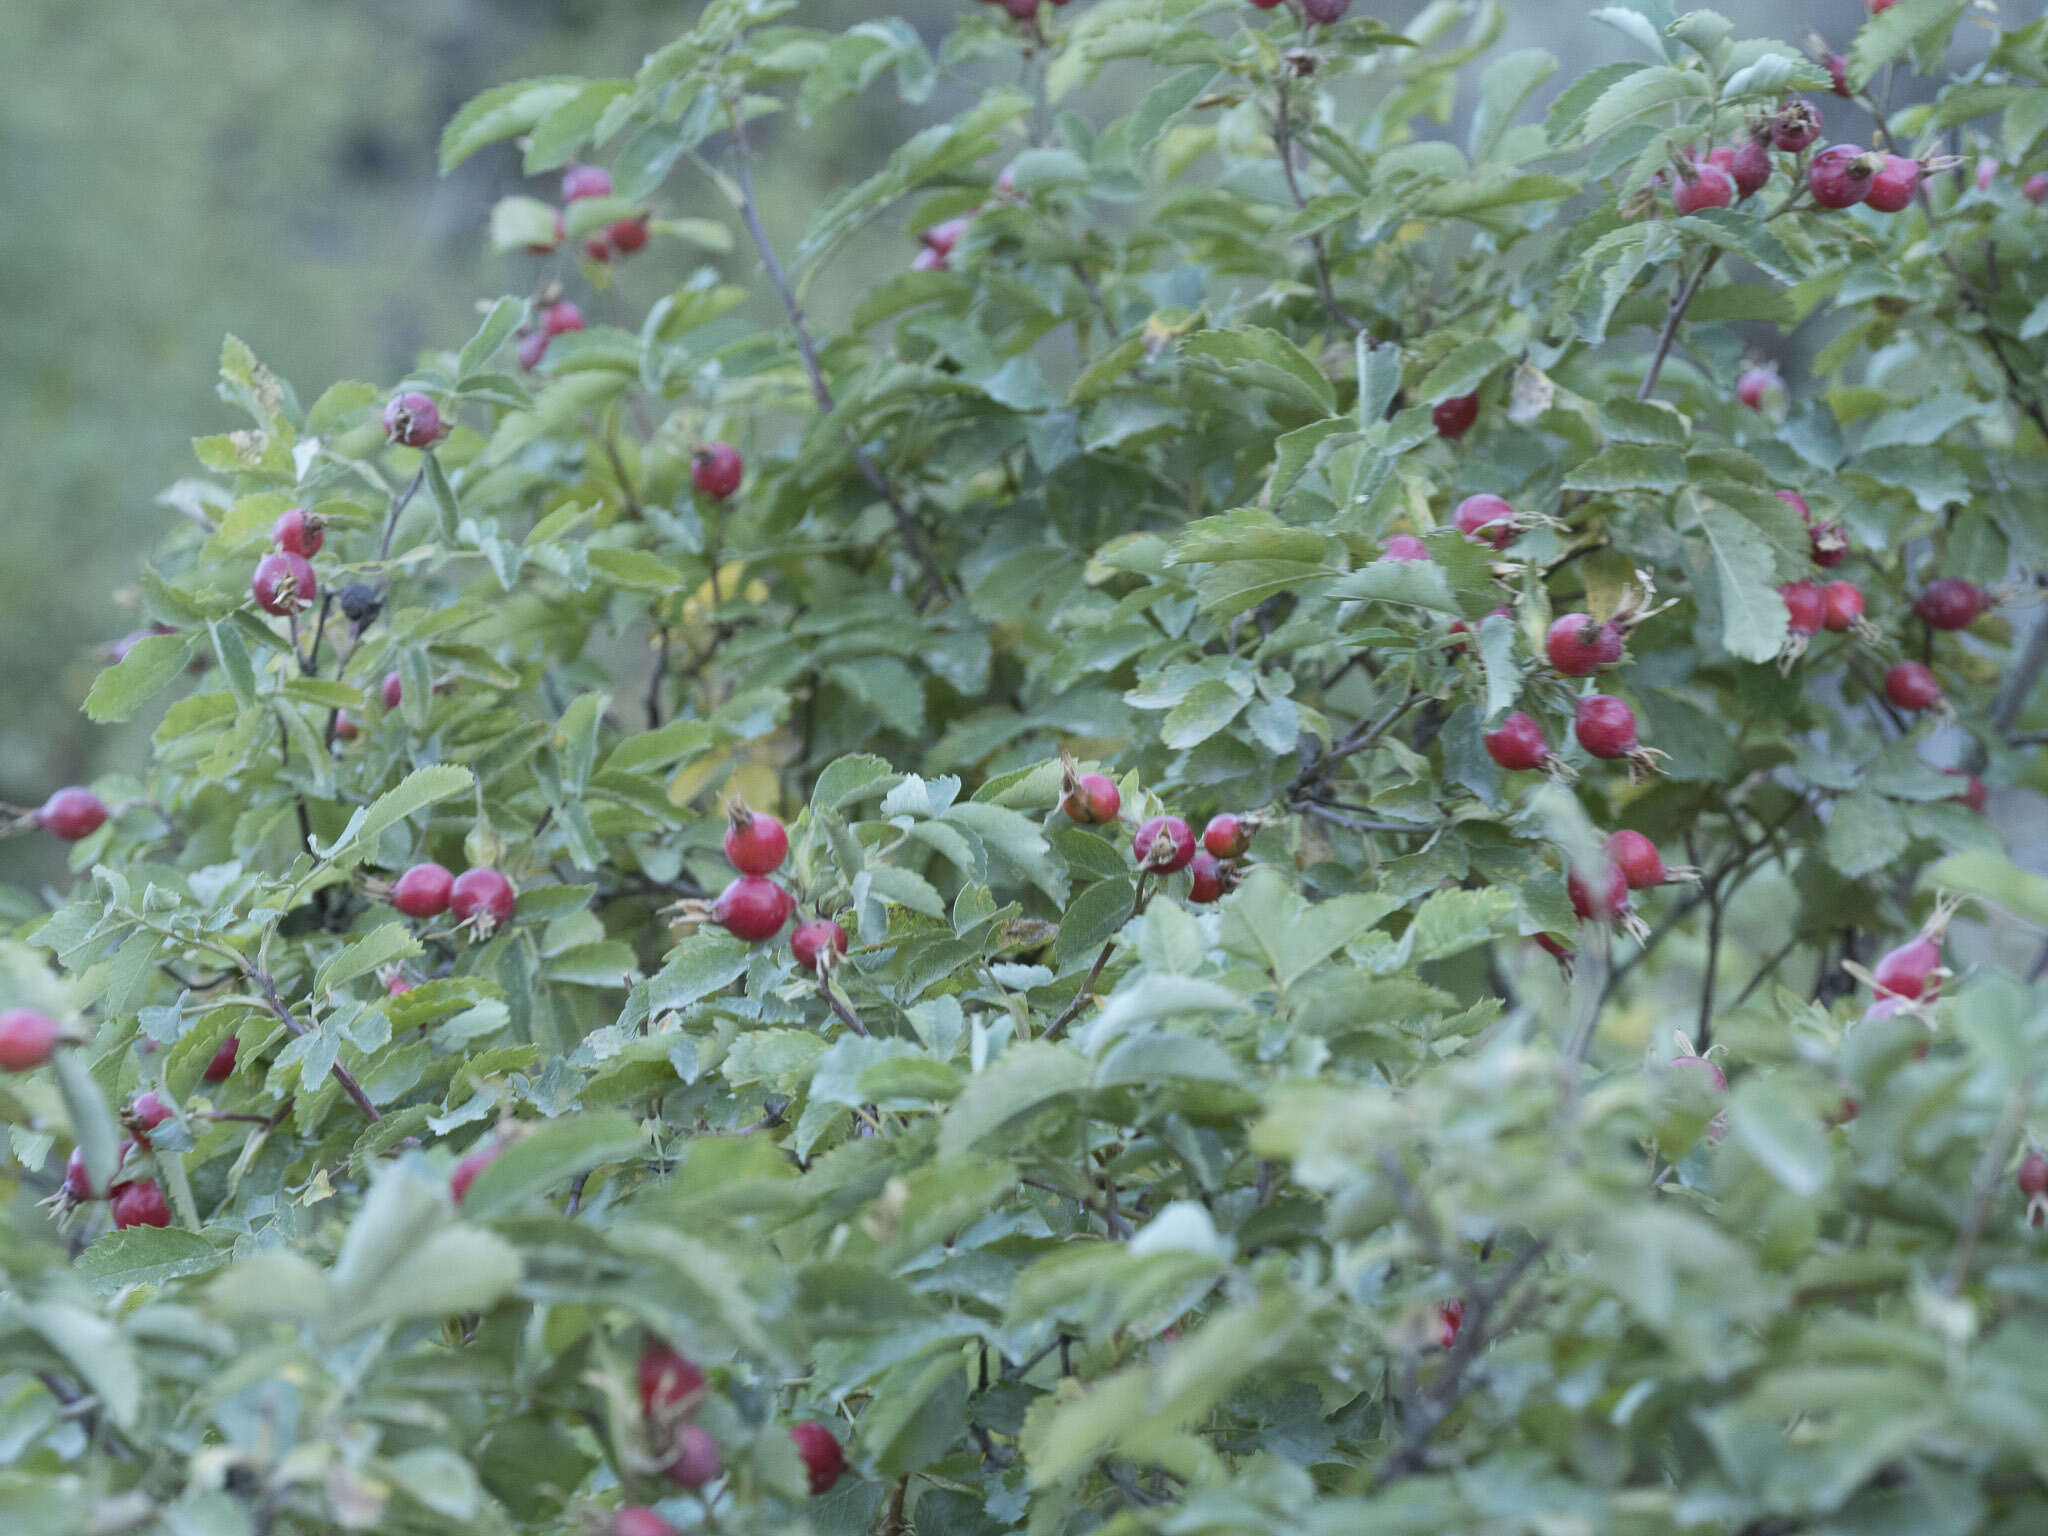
point(486, 1155)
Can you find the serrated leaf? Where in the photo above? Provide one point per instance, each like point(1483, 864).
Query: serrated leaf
point(501, 112)
point(146, 1256)
point(1753, 617)
point(1266, 360)
point(548, 1158)
point(149, 667)
point(421, 788)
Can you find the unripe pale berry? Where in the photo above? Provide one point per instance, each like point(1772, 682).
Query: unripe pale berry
point(284, 583)
point(1702, 186)
point(1579, 645)
point(1892, 188)
point(481, 897)
point(943, 236)
point(810, 941)
point(929, 260)
point(581, 181)
point(1606, 727)
point(1842, 605)
point(1092, 799)
point(1949, 602)
point(1165, 845)
point(1454, 417)
point(716, 470)
point(752, 908)
point(423, 891)
point(533, 346)
point(222, 1067)
point(412, 420)
point(72, 813)
point(300, 532)
point(1796, 125)
point(755, 842)
point(140, 1204)
point(1838, 177)
point(1709, 1072)
point(1517, 743)
point(475, 1163)
point(822, 1456)
point(695, 1461)
point(1758, 386)
point(1911, 685)
point(1486, 518)
point(26, 1039)
point(1805, 606)
point(1405, 546)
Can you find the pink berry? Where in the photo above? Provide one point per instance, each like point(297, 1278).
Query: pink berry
point(671, 1385)
point(1405, 546)
point(695, 1461)
point(145, 1113)
point(1602, 899)
point(1839, 177)
point(560, 318)
point(627, 235)
point(1486, 518)
point(943, 236)
point(639, 1520)
point(475, 1163)
point(1842, 605)
point(1828, 544)
point(1987, 172)
point(2033, 1174)
point(1700, 187)
point(1796, 125)
point(1911, 685)
point(345, 728)
point(412, 420)
point(1906, 971)
point(140, 1204)
point(299, 532)
point(533, 346)
point(1454, 417)
point(716, 470)
point(1973, 793)
point(1892, 188)
point(1517, 743)
point(755, 843)
point(1092, 799)
point(26, 1039)
point(1637, 859)
point(1758, 386)
point(1228, 836)
point(1450, 1317)
point(1796, 502)
point(752, 908)
point(822, 1456)
point(1164, 845)
point(1805, 606)
point(222, 1067)
point(481, 897)
point(1878, 7)
point(1750, 166)
point(284, 583)
point(929, 260)
point(78, 1182)
point(1579, 645)
point(1209, 878)
point(2036, 187)
point(72, 813)
point(423, 891)
point(1949, 602)
point(581, 181)
point(1606, 727)
point(807, 945)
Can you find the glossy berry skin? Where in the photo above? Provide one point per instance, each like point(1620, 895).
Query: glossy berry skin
point(1949, 602)
point(1165, 845)
point(1453, 418)
point(1517, 743)
point(423, 891)
point(1891, 189)
point(1911, 685)
point(1837, 178)
point(715, 470)
point(1838, 73)
point(581, 181)
point(822, 1457)
point(670, 1383)
point(1805, 607)
point(481, 896)
point(299, 532)
point(1796, 125)
point(1708, 186)
point(1973, 793)
point(1827, 544)
point(1606, 727)
point(412, 420)
point(140, 1204)
point(1578, 645)
point(284, 583)
point(812, 939)
point(639, 1520)
point(1906, 971)
point(392, 690)
point(752, 908)
point(1207, 878)
point(2033, 1175)
point(1450, 1317)
point(696, 1460)
point(222, 1067)
point(1758, 385)
point(72, 813)
point(1750, 167)
point(78, 1182)
point(1601, 899)
point(1405, 546)
point(26, 1039)
point(757, 845)
point(475, 1163)
point(1227, 836)
point(1487, 519)
point(627, 235)
point(560, 318)
point(146, 1112)
point(1637, 859)
point(1841, 606)
point(1093, 800)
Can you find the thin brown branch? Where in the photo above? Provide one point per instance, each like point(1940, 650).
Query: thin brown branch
point(341, 1074)
point(1680, 302)
point(1081, 997)
point(1283, 141)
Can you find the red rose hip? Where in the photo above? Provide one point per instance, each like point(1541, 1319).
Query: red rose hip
point(695, 1460)
point(1208, 878)
point(1164, 845)
point(1911, 685)
point(412, 420)
point(1702, 186)
point(1600, 898)
point(1805, 606)
point(1950, 603)
point(1756, 387)
point(481, 898)
point(1486, 518)
point(1228, 836)
point(1842, 606)
point(822, 1457)
point(1796, 125)
point(1453, 418)
point(423, 891)
point(140, 1204)
point(1517, 743)
point(72, 813)
point(1605, 726)
point(299, 532)
point(1579, 645)
point(1839, 177)
point(716, 469)
point(752, 908)
point(755, 842)
point(1892, 188)
point(26, 1039)
point(1092, 799)
point(670, 1383)
point(222, 1067)
point(475, 1163)
point(810, 941)
point(284, 583)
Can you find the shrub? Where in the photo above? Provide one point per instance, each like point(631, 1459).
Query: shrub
point(495, 1162)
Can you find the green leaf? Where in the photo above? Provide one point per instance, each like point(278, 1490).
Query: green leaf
point(1884, 37)
point(1024, 1078)
point(1994, 878)
point(146, 1256)
point(1865, 833)
point(1639, 94)
point(92, 1122)
point(483, 346)
point(393, 941)
point(1771, 1122)
point(149, 667)
point(1263, 359)
point(1462, 372)
point(421, 788)
point(104, 1360)
point(501, 112)
point(1753, 617)
point(548, 1158)
point(1629, 467)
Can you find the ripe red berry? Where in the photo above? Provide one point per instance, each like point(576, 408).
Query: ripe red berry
point(1208, 878)
point(473, 1164)
point(2036, 187)
point(78, 1182)
point(1702, 186)
point(1973, 793)
point(670, 1383)
point(715, 470)
point(1405, 546)
point(1750, 166)
point(1907, 970)
point(146, 1112)
point(639, 1520)
point(412, 420)
point(1557, 949)
point(284, 583)
point(140, 1204)
point(1757, 386)
point(755, 842)
point(1828, 545)
point(1517, 743)
point(598, 249)
point(1454, 417)
point(1796, 125)
point(72, 813)
point(1092, 800)
point(810, 941)
point(423, 891)
point(1637, 859)
point(943, 236)
point(560, 318)
point(1579, 645)
point(222, 1067)
point(1949, 602)
point(752, 908)
point(627, 235)
point(1838, 73)
point(1839, 177)
point(1842, 604)
point(1165, 845)
point(345, 728)
point(695, 1460)
point(26, 1039)
point(299, 532)
point(481, 897)
point(1606, 727)
point(1878, 7)
point(1805, 607)
point(1228, 836)
point(533, 346)
point(2033, 1174)
point(1892, 188)
point(1601, 899)
point(822, 1457)
point(1450, 1317)
point(1911, 685)
point(1486, 518)
point(393, 690)
point(581, 181)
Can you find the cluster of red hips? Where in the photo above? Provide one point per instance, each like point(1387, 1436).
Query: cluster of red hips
point(936, 241)
point(620, 238)
point(480, 899)
point(1165, 845)
point(557, 317)
point(753, 907)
